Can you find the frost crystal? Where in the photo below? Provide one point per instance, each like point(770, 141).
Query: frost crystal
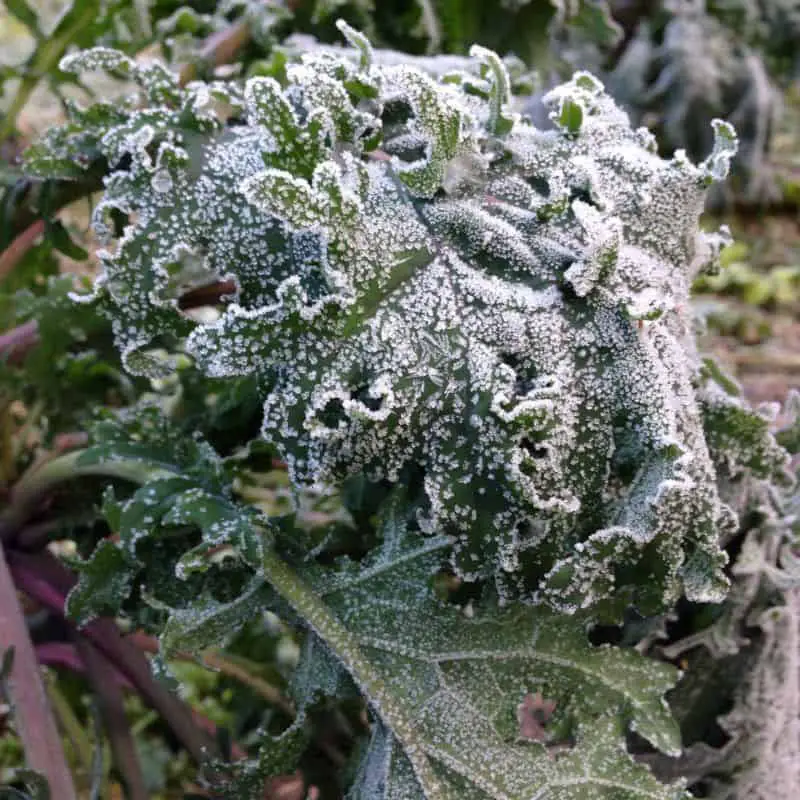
point(432, 289)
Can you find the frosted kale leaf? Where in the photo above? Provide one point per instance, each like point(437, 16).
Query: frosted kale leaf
point(182, 542)
point(740, 439)
point(431, 289)
point(446, 689)
point(744, 665)
point(683, 63)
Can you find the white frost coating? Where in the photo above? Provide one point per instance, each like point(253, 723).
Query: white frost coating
point(761, 757)
point(450, 681)
point(429, 284)
point(161, 182)
point(686, 61)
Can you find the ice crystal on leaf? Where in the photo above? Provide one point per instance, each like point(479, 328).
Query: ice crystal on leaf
point(682, 62)
point(427, 284)
point(444, 688)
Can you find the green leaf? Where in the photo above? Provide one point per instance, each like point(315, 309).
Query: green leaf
point(740, 439)
point(713, 371)
point(317, 677)
point(174, 530)
point(500, 121)
point(726, 144)
point(74, 347)
point(206, 622)
point(789, 434)
point(61, 241)
point(590, 19)
point(571, 116)
point(359, 41)
point(104, 583)
point(445, 687)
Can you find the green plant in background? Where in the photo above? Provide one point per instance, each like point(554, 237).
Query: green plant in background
point(473, 337)
point(775, 287)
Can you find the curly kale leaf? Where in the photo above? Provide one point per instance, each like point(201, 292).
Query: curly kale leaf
point(183, 545)
point(683, 63)
point(447, 690)
point(429, 288)
point(450, 689)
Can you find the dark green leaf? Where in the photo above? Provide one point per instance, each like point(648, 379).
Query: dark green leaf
point(62, 241)
point(104, 583)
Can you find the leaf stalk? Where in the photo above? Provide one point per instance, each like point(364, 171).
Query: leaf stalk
point(32, 711)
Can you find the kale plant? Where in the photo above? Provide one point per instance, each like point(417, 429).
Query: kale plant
point(677, 64)
point(475, 336)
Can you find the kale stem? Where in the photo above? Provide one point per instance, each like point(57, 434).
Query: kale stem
point(19, 246)
point(49, 582)
point(103, 678)
point(14, 344)
point(32, 712)
point(345, 647)
point(28, 492)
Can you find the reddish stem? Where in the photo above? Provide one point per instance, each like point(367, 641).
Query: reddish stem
point(18, 342)
point(206, 295)
point(48, 581)
point(15, 344)
point(17, 249)
point(32, 713)
point(220, 48)
point(63, 654)
point(63, 442)
point(103, 679)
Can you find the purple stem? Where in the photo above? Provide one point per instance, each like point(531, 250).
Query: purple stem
point(64, 654)
point(15, 344)
point(32, 713)
point(37, 534)
point(103, 677)
point(48, 581)
point(59, 654)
